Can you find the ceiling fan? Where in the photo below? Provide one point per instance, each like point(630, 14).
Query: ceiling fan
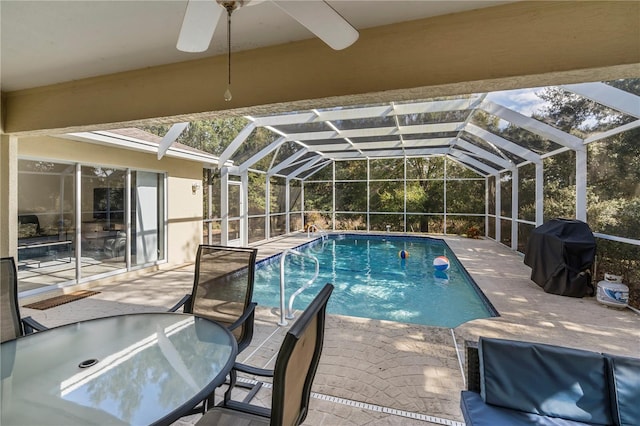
point(201, 18)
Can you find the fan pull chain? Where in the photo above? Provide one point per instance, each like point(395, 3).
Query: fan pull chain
point(227, 93)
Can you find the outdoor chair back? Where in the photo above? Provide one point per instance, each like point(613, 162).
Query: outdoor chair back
point(294, 372)
point(223, 288)
point(12, 325)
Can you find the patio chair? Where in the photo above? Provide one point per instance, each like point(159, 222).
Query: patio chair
point(223, 288)
point(222, 292)
point(12, 325)
point(293, 375)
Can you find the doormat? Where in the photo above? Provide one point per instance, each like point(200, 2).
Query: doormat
point(61, 300)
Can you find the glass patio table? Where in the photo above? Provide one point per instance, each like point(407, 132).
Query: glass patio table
point(148, 368)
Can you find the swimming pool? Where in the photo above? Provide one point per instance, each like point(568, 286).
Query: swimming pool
point(372, 280)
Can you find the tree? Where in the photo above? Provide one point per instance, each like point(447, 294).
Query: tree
point(613, 176)
point(211, 136)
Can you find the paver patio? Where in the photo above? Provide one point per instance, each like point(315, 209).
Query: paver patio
point(388, 373)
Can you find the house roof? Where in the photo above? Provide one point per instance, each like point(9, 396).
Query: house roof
point(140, 140)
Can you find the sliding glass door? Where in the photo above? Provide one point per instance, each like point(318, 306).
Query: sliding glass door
point(81, 222)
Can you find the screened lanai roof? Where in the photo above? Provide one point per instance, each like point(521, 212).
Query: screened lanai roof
point(471, 130)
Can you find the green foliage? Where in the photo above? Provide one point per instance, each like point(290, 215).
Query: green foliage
point(211, 136)
point(619, 217)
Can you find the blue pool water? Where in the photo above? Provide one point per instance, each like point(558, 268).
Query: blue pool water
point(372, 281)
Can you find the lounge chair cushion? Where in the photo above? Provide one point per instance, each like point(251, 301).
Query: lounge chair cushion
point(477, 413)
point(624, 383)
point(557, 381)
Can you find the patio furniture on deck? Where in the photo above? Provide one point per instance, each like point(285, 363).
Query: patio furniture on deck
point(295, 369)
point(561, 253)
point(146, 368)
point(222, 292)
point(12, 325)
point(116, 245)
point(522, 383)
point(223, 288)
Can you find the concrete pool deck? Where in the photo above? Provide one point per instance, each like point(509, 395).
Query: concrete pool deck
point(388, 373)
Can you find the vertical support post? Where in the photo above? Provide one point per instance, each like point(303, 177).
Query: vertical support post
point(514, 208)
point(581, 184)
point(78, 224)
point(539, 193)
point(498, 208)
point(333, 192)
point(303, 210)
point(267, 207)
point(486, 206)
point(287, 200)
point(404, 207)
point(224, 206)
point(444, 185)
point(61, 206)
point(209, 206)
point(127, 220)
point(9, 196)
point(244, 208)
point(368, 194)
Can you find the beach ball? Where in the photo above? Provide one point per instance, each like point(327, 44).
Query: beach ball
point(441, 263)
point(403, 254)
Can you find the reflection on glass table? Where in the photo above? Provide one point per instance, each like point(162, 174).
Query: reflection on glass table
point(131, 369)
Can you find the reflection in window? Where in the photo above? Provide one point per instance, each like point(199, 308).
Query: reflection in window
point(48, 247)
point(46, 223)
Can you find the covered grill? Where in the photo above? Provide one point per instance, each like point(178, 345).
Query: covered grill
point(561, 253)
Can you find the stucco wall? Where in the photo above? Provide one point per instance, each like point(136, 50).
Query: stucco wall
point(184, 208)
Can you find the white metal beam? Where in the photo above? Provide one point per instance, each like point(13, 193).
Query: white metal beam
point(261, 154)
point(369, 112)
point(514, 207)
point(498, 223)
point(385, 153)
point(235, 144)
point(581, 184)
point(330, 147)
point(287, 162)
point(462, 157)
point(433, 150)
point(484, 154)
point(413, 143)
point(315, 169)
point(609, 96)
point(378, 145)
point(502, 143)
point(539, 194)
point(612, 132)
point(532, 125)
point(377, 131)
point(307, 166)
point(466, 165)
point(345, 154)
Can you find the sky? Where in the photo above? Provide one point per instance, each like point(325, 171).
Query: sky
point(525, 101)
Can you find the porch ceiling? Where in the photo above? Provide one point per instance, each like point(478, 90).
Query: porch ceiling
point(93, 65)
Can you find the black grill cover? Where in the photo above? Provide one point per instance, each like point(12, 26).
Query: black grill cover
point(560, 253)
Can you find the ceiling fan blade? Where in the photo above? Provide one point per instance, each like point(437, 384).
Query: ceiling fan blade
point(320, 18)
point(170, 138)
point(200, 21)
